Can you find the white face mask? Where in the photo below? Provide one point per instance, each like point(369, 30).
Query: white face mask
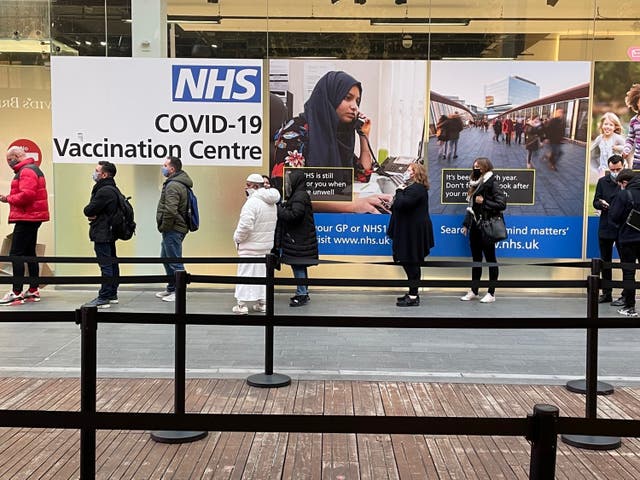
point(249, 191)
point(406, 176)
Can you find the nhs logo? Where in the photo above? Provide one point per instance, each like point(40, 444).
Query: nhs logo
point(217, 83)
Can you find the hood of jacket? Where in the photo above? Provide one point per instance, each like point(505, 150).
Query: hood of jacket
point(297, 180)
point(181, 177)
point(270, 196)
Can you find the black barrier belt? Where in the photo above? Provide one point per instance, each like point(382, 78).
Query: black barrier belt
point(154, 318)
point(312, 423)
point(289, 261)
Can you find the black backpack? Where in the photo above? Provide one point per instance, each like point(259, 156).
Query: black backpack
point(123, 226)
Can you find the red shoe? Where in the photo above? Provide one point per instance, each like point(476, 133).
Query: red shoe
point(29, 296)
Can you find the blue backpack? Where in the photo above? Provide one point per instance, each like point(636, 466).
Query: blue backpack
point(193, 215)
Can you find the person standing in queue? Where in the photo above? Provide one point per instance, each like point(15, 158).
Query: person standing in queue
point(628, 237)
point(486, 200)
point(295, 237)
point(28, 208)
point(606, 189)
point(171, 218)
point(410, 228)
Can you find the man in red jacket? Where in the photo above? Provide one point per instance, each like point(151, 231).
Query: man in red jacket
point(28, 208)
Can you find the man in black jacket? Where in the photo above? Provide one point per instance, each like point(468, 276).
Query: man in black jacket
point(606, 189)
point(100, 210)
point(628, 237)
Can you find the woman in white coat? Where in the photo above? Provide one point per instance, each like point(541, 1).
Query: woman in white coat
point(254, 238)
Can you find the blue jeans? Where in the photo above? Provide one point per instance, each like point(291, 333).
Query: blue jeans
point(108, 270)
point(300, 271)
point(172, 247)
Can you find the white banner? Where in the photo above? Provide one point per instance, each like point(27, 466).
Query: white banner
point(140, 110)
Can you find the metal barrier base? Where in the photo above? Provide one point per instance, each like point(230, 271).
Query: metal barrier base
point(177, 436)
point(263, 380)
point(590, 442)
point(580, 386)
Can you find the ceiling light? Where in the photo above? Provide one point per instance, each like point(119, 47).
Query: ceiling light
point(401, 2)
point(552, 3)
point(408, 22)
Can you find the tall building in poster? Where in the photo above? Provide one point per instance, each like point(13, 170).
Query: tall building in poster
point(511, 91)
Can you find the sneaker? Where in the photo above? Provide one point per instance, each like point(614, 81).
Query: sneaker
point(605, 298)
point(408, 301)
point(98, 302)
point(299, 300)
point(469, 296)
point(31, 296)
point(239, 309)
point(169, 298)
point(259, 307)
point(113, 299)
point(628, 312)
point(488, 298)
point(12, 298)
point(166, 293)
point(399, 299)
point(618, 303)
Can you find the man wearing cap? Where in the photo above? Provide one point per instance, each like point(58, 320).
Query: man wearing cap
point(28, 208)
point(254, 238)
point(171, 217)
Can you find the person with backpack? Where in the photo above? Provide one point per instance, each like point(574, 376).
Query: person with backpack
point(174, 218)
point(28, 208)
point(101, 210)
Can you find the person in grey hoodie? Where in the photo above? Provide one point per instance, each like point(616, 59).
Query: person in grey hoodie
point(171, 217)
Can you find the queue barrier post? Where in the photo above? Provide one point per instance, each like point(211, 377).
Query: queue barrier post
point(268, 379)
point(175, 436)
point(544, 442)
point(580, 385)
point(88, 382)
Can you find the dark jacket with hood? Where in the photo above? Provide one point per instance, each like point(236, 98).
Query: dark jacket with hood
point(410, 226)
point(102, 205)
point(172, 207)
point(621, 205)
point(296, 231)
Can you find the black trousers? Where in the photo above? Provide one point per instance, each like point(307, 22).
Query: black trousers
point(629, 253)
point(413, 273)
point(478, 248)
point(23, 244)
point(606, 254)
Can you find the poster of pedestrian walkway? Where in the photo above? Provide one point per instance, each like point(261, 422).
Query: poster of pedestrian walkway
point(531, 120)
point(611, 115)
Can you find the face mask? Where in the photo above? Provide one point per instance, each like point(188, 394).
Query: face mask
point(249, 191)
point(14, 162)
point(165, 171)
point(95, 176)
point(476, 173)
point(406, 176)
point(613, 175)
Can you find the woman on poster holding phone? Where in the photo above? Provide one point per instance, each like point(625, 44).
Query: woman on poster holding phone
point(325, 135)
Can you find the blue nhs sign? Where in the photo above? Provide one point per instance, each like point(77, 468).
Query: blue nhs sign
point(216, 83)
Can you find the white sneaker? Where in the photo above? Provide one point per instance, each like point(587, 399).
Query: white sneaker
point(488, 298)
point(171, 297)
point(259, 307)
point(163, 294)
point(11, 298)
point(240, 310)
point(469, 296)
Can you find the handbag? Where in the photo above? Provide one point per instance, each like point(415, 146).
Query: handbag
point(633, 219)
point(493, 229)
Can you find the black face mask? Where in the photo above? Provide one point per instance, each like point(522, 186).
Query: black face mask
point(14, 162)
point(476, 173)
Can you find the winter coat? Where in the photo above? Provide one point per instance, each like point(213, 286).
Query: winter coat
point(606, 190)
point(171, 214)
point(454, 127)
point(28, 199)
point(410, 227)
point(102, 205)
point(296, 232)
point(494, 202)
point(257, 224)
point(620, 207)
point(532, 136)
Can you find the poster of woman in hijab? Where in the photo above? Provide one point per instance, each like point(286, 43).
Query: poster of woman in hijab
point(354, 126)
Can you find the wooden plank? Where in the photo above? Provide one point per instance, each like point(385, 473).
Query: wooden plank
point(339, 451)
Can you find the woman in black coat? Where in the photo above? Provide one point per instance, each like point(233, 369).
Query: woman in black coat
point(486, 200)
point(296, 233)
point(410, 228)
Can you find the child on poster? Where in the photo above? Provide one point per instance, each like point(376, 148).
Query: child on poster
point(632, 143)
point(609, 142)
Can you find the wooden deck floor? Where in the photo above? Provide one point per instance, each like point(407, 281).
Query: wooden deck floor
point(54, 454)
